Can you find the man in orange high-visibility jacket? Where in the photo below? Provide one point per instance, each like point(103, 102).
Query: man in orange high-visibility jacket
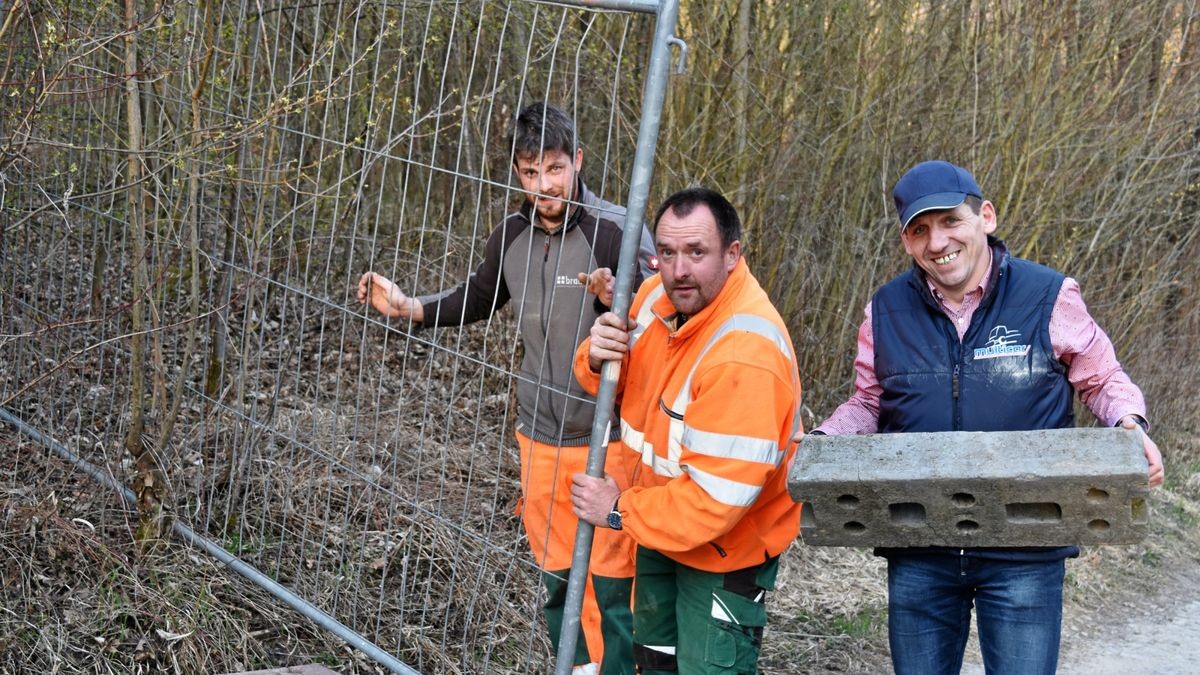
point(708, 395)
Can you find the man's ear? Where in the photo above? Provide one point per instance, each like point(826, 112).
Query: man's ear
point(904, 240)
point(732, 254)
point(987, 211)
point(578, 160)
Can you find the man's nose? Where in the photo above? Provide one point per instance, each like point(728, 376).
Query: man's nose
point(679, 267)
point(938, 238)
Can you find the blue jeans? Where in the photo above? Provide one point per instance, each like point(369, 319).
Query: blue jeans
point(1018, 606)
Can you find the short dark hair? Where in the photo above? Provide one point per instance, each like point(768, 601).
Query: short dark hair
point(974, 203)
point(541, 128)
point(681, 204)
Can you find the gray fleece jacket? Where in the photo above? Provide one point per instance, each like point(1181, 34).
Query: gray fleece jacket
point(537, 269)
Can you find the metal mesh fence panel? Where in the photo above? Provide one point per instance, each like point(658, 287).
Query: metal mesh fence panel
point(190, 191)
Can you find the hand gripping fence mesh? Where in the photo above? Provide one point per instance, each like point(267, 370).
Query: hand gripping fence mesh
point(189, 193)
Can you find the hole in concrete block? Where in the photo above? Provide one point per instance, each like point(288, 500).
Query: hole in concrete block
point(967, 526)
point(1096, 495)
point(1098, 525)
point(1138, 512)
point(963, 499)
point(848, 501)
point(855, 527)
point(907, 513)
point(1033, 513)
point(808, 520)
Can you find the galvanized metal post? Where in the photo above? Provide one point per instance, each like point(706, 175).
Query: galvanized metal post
point(639, 190)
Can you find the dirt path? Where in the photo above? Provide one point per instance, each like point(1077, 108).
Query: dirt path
point(1164, 641)
point(1138, 634)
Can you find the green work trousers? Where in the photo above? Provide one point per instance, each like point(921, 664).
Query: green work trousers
point(612, 597)
point(689, 621)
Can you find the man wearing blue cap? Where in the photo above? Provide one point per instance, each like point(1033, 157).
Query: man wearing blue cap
point(974, 339)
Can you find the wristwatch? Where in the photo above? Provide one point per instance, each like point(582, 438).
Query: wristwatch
point(1138, 420)
point(614, 516)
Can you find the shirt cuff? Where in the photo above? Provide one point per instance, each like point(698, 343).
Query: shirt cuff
point(1141, 422)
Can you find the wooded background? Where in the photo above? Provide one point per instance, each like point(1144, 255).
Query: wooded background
point(187, 191)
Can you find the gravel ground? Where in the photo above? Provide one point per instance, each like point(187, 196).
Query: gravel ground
point(1138, 634)
point(1165, 641)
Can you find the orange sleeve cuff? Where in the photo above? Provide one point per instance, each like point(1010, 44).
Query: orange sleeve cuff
point(583, 372)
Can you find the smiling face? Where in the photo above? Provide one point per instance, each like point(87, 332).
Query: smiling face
point(693, 263)
point(549, 179)
point(951, 246)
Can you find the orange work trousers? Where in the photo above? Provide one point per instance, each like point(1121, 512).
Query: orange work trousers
point(545, 510)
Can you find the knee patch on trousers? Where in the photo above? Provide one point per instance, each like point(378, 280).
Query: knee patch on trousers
point(649, 659)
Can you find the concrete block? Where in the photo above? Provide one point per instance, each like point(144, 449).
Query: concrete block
point(1055, 487)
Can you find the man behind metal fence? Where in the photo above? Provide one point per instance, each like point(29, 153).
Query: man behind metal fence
point(541, 258)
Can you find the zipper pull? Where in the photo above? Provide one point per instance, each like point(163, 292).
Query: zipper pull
point(546, 253)
point(954, 385)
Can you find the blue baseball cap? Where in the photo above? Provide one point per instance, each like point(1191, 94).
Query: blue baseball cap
point(932, 186)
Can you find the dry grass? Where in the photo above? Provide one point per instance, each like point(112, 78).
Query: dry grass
point(79, 598)
point(828, 613)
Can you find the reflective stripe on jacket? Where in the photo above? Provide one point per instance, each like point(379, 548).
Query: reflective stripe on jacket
point(707, 415)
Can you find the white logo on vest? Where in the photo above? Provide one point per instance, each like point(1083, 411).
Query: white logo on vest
point(1001, 342)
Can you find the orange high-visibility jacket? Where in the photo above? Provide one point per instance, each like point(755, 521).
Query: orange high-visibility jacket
point(707, 416)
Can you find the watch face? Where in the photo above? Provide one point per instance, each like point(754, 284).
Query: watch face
point(614, 520)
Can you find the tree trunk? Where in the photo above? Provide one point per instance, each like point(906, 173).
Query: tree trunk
point(741, 74)
point(1189, 51)
point(150, 485)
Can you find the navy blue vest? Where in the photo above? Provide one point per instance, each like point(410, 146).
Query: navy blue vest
point(1002, 376)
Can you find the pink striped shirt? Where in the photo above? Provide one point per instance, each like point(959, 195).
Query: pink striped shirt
point(1092, 366)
